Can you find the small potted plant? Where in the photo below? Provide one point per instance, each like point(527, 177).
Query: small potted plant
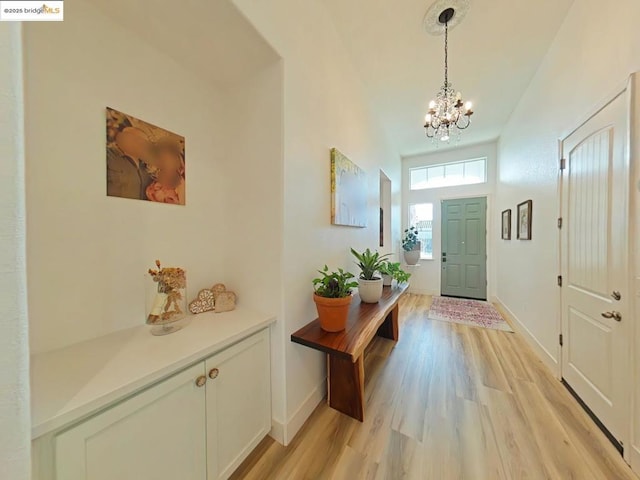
point(411, 246)
point(369, 284)
point(332, 295)
point(391, 271)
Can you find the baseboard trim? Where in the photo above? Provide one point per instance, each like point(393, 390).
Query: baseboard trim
point(417, 291)
point(277, 431)
point(303, 412)
point(547, 358)
point(634, 459)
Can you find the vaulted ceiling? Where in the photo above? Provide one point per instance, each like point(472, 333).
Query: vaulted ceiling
point(493, 55)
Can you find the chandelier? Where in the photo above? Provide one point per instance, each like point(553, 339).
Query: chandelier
point(448, 114)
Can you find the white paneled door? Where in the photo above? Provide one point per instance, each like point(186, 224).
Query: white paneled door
point(595, 293)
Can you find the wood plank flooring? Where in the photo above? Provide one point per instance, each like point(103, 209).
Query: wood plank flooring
point(447, 402)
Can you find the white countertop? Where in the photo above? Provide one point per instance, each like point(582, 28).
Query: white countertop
point(76, 381)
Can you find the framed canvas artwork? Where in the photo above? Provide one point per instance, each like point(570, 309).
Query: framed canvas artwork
point(348, 192)
point(506, 224)
point(524, 220)
point(144, 161)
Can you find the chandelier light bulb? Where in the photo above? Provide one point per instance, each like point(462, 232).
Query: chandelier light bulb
point(427, 118)
point(432, 104)
point(468, 106)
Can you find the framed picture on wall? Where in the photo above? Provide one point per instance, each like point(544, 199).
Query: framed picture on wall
point(506, 224)
point(524, 220)
point(144, 161)
point(348, 192)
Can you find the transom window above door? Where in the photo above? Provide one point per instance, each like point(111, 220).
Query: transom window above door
point(468, 172)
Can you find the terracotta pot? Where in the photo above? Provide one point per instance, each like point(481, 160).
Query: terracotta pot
point(332, 312)
point(370, 290)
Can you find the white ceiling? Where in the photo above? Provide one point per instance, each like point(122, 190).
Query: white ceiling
point(493, 54)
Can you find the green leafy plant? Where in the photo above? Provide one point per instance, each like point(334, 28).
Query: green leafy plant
point(393, 269)
point(410, 239)
point(334, 284)
point(369, 263)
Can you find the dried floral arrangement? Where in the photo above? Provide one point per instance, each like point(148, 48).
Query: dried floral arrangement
point(170, 280)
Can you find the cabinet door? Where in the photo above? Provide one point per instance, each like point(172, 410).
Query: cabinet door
point(158, 434)
point(238, 403)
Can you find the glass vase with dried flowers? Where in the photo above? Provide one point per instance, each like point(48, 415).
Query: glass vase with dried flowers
point(169, 303)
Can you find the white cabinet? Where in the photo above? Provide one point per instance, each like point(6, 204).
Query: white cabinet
point(180, 428)
point(157, 434)
point(238, 404)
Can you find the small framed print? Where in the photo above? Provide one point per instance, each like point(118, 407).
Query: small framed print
point(506, 225)
point(524, 220)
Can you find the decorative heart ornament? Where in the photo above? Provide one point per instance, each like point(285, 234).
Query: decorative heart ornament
point(225, 301)
point(218, 288)
point(203, 303)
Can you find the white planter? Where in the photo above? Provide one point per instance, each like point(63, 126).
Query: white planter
point(370, 290)
point(412, 257)
point(387, 280)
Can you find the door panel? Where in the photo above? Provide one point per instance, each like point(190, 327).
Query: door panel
point(464, 251)
point(238, 403)
point(158, 434)
point(594, 264)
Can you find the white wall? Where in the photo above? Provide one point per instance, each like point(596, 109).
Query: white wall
point(15, 432)
point(324, 107)
point(635, 258)
point(257, 155)
point(88, 253)
point(426, 278)
point(594, 52)
point(253, 207)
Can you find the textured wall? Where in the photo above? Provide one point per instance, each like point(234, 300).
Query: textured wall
point(14, 352)
point(594, 52)
point(89, 253)
point(324, 107)
point(591, 58)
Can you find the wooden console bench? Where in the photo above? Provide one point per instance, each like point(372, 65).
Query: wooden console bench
point(345, 350)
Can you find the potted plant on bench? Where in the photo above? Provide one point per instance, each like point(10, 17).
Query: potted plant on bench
point(391, 271)
point(369, 284)
point(332, 295)
point(411, 246)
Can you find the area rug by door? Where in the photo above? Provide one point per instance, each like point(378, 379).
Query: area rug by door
point(467, 312)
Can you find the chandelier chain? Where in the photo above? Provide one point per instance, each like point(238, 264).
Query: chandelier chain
point(446, 54)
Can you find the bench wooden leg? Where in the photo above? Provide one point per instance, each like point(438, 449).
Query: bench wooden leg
point(389, 328)
point(346, 386)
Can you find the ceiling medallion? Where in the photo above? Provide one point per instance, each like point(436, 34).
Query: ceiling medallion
point(448, 114)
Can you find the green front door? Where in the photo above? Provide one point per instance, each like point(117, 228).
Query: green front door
point(464, 248)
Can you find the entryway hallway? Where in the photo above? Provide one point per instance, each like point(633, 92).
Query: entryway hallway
point(448, 402)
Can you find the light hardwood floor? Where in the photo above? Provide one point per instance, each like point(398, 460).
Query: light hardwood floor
point(447, 402)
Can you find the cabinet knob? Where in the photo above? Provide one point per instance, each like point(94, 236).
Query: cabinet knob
point(201, 380)
point(213, 373)
point(615, 315)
